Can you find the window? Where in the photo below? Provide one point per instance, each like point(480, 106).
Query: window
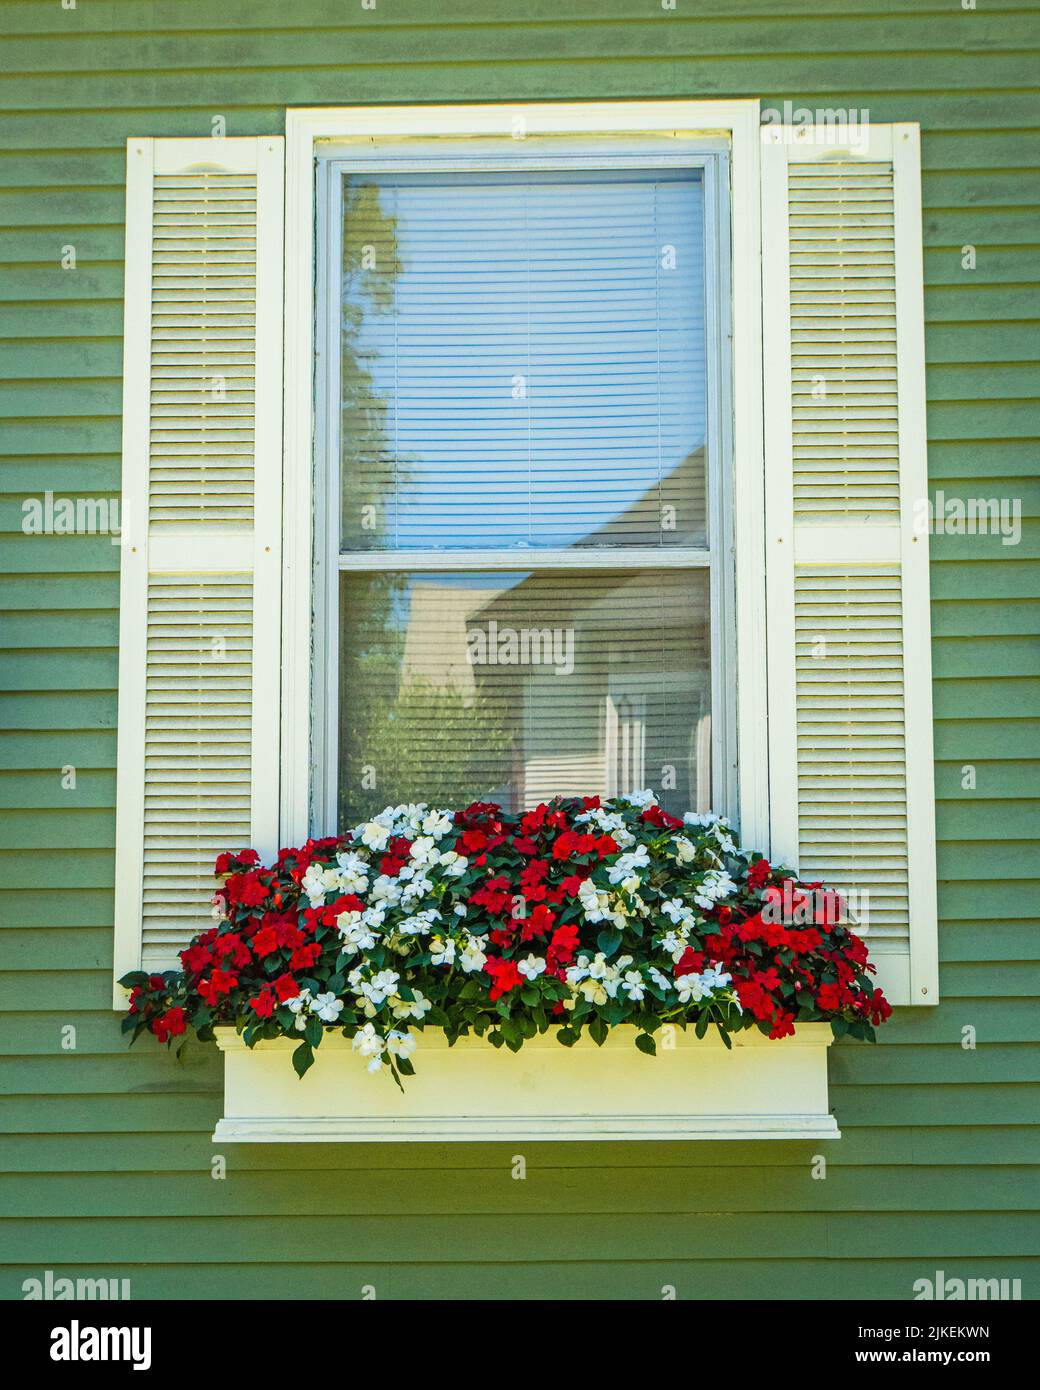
point(521, 569)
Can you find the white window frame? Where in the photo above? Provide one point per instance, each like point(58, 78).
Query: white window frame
point(708, 156)
point(367, 132)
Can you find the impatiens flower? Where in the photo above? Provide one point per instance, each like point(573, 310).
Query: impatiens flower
point(400, 1044)
point(442, 952)
point(633, 985)
point(416, 1007)
point(170, 1025)
point(327, 1007)
point(263, 1004)
point(285, 987)
point(504, 974)
point(374, 835)
point(370, 1044)
point(531, 967)
point(472, 957)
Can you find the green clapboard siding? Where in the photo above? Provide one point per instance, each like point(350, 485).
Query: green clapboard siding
point(107, 1155)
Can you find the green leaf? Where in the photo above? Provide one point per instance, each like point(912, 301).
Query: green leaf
point(303, 1059)
point(839, 1027)
point(598, 1031)
point(646, 1044)
point(609, 940)
point(313, 1030)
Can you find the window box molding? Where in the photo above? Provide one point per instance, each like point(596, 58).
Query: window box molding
point(760, 1089)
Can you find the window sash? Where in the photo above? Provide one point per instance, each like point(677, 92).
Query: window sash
point(710, 157)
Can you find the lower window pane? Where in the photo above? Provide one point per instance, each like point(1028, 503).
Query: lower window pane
point(518, 687)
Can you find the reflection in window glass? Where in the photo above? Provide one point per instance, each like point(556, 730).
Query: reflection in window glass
point(517, 687)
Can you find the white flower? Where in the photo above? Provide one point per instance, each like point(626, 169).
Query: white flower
point(386, 889)
point(641, 799)
point(419, 887)
point(716, 885)
point(327, 1007)
point(659, 978)
point(623, 870)
point(437, 824)
point(357, 934)
point(400, 1044)
point(531, 967)
point(299, 1005)
point(421, 923)
point(685, 851)
point(593, 991)
point(299, 1001)
point(633, 985)
point(678, 911)
point(452, 864)
point(703, 819)
point(597, 907)
point(675, 944)
point(353, 872)
point(417, 1007)
point(318, 882)
point(375, 835)
point(424, 851)
point(442, 952)
point(376, 990)
point(690, 988)
point(472, 956)
point(370, 1044)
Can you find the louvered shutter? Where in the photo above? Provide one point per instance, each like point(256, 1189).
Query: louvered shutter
point(199, 590)
point(850, 729)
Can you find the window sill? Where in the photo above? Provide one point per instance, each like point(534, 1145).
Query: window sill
point(698, 1090)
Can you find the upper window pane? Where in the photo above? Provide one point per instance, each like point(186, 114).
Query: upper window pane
point(523, 360)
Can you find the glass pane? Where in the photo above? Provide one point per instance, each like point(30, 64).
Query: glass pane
point(518, 687)
point(523, 360)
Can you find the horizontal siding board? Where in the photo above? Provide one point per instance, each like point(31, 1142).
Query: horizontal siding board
point(937, 1141)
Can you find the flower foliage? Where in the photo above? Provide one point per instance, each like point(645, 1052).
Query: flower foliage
point(579, 915)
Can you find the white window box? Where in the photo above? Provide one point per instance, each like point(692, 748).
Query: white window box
point(698, 1090)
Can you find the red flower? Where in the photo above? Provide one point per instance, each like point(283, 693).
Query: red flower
point(286, 987)
point(195, 958)
point(563, 945)
point(225, 861)
point(263, 1004)
point(655, 815)
point(783, 1025)
point(689, 961)
point(304, 956)
point(504, 975)
point(879, 1007)
point(170, 1025)
point(246, 890)
point(758, 873)
point(540, 921)
point(220, 982)
point(265, 942)
point(832, 997)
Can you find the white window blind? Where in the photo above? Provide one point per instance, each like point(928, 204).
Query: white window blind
point(523, 360)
